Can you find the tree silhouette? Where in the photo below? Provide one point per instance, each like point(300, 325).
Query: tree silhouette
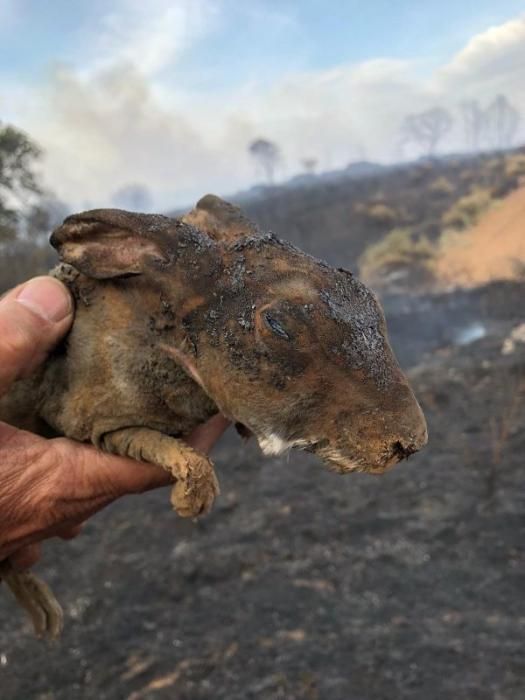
point(474, 122)
point(426, 128)
point(502, 121)
point(43, 216)
point(266, 155)
point(18, 183)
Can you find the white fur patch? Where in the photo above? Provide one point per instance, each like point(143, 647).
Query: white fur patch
point(274, 445)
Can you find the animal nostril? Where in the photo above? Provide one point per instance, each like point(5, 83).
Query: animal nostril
point(403, 452)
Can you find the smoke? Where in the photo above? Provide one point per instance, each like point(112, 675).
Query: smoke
point(152, 35)
point(120, 118)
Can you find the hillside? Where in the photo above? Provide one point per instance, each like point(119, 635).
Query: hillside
point(338, 219)
point(493, 249)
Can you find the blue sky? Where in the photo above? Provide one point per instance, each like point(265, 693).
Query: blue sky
point(261, 38)
point(170, 91)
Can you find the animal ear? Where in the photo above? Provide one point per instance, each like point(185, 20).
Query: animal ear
point(106, 243)
point(221, 220)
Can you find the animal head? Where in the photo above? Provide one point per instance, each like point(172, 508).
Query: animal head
point(290, 349)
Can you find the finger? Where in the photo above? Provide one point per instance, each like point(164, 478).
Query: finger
point(64, 532)
point(63, 483)
point(93, 479)
point(33, 318)
point(206, 435)
point(26, 557)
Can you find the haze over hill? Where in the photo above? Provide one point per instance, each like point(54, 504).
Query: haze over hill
point(409, 223)
point(170, 94)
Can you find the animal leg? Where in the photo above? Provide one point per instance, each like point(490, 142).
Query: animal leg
point(36, 598)
point(196, 484)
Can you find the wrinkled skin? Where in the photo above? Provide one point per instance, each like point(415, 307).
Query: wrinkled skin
point(175, 323)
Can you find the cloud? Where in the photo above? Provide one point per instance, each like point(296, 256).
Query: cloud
point(118, 120)
point(492, 61)
point(492, 50)
point(150, 35)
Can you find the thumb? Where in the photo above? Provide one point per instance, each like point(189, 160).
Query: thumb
point(33, 318)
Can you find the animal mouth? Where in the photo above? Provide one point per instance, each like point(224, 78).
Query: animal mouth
point(332, 458)
point(347, 463)
point(274, 445)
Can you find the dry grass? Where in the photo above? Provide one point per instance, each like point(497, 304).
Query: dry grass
point(377, 212)
point(494, 248)
point(515, 166)
point(441, 186)
point(398, 252)
point(467, 210)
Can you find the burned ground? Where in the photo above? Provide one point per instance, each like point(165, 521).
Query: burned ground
point(306, 584)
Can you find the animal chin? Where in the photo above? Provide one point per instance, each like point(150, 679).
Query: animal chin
point(339, 463)
point(345, 465)
point(272, 444)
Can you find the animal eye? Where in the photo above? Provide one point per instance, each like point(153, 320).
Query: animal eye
point(276, 327)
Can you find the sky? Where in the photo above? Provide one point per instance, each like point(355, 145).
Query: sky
point(170, 94)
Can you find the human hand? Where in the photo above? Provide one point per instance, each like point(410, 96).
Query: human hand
point(49, 487)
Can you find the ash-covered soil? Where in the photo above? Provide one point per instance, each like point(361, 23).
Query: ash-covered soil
point(306, 584)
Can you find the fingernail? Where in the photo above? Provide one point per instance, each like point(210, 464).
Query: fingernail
point(46, 297)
